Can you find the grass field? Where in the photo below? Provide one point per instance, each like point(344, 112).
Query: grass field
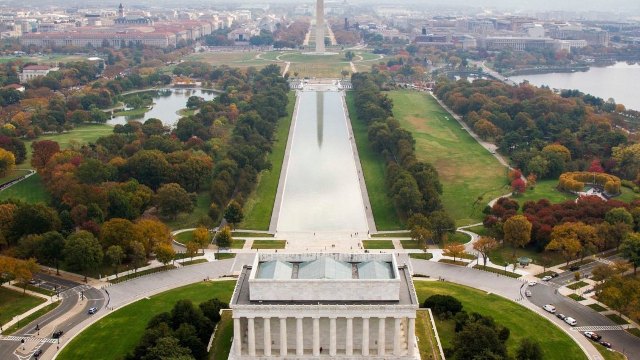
point(259, 207)
point(427, 343)
point(597, 307)
point(29, 190)
point(377, 244)
point(13, 303)
point(184, 237)
point(522, 322)
point(221, 345)
point(467, 171)
point(80, 135)
point(233, 59)
point(421, 256)
point(504, 254)
point(193, 219)
point(384, 211)
point(128, 323)
point(268, 244)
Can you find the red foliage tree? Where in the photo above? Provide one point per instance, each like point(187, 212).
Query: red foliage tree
point(518, 185)
point(595, 166)
point(42, 152)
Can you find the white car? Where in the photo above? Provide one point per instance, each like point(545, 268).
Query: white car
point(532, 283)
point(550, 308)
point(547, 278)
point(571, 321)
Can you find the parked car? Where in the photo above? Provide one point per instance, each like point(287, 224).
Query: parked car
point(561, 316)
point(37, 353)
point(555, 275)
point(571, 321)
point(605, 344)
point(550, 308)
point(574, 267)
point(57, 334)
point(532, 283)
point(92, 310)
point(547, 278)
point(527, 293)
point(593, 336)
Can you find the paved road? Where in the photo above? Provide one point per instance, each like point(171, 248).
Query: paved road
point(622, 341)
point(585, 271)
point(69, 299)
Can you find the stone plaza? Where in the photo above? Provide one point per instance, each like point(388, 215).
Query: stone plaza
point(303, 306)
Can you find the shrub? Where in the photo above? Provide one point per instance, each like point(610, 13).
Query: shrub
point(443, 305)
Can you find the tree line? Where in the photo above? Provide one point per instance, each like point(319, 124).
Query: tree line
point(413, 185)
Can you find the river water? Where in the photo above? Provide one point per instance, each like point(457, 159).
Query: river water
point(620, 82)
point(166, 106)
point(321, 190)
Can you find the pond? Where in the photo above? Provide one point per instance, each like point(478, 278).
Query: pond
point(321, 190)
point(166, 104)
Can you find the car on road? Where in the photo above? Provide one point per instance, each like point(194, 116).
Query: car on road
point(605, 344)
point(574, 267)
point(547, 278)
point(532, 283)
point(571, 321)
point(561, 316)
point(57, 334)
point(593, 336)
point(550, 308)
point(92, 310)
point(37, 353)
point(527, 293)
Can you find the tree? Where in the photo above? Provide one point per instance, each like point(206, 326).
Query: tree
point(631, 250)
point(7, 162)
point(443, 304)
point(137, 255)
point(564, 238)
point(115, 255)
point(223, 238)
point(529, 350)
point(168, 348)
point(192, 249)
point(82, 252)
point(42, 152)
point(202, 236)
point(421, 236)
point(478, 340)
point(121, 232)
point(484, 245)
point(517, 231)
point(619, 215)
point(441, 223)
point(24, 270)
point(172, 199)
point(233, 213)
point(32, 219)
point(52, 248)
point(165, 253)
point(154, 233)
point(453, 250)
point(518, 186)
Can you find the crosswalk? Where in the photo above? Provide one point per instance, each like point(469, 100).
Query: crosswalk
point(597, 328)
point(28, 338)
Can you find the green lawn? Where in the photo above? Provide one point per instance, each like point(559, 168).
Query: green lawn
point(384, 211)
point(223, 256)
point(467, 171)
point(577, 285)
point(427, 343)
point(268, 244)
point(421, 256)
point(128, 323)
point(377, 244)
point(29, 190)
point(184, 237)
point(576, 297)
point(504, 254)
point(522, 322)
point(243, 234)
point(196, 217)
point(15, 327)
point(237, 244)
point(259, 205)
point(410, 244)
point(497, 271)
point(597, 307)
point(546, 189)
point(392, 235)
point(13, 303)
point(617, 319)
point(221, 345)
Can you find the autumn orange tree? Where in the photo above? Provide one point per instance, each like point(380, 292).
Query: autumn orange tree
point(454, 250)
point(484, 245)
point(517, 232)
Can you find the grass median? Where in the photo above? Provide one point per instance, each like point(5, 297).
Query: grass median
point(384, 211)
point(118, 333)
point(522, 322)
point(259, 207)
point(467, 170)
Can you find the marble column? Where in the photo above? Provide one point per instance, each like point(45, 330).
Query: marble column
point(381, 337)
point(365, 336)
point(266, 323)
point(251, 334)
point(349, 342)
point(397, 337)
point(332, 336)
point(237, 335)
point(299, 338)
point(283, 336)
point(411, 337)
point(316, 336)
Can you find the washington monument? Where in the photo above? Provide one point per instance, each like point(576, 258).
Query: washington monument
point(320, 26)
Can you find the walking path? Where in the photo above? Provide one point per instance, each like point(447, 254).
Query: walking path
point(9, 184)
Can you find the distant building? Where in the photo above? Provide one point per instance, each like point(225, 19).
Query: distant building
point(497, 43)
point(131, 20)
point(593, 36)
point(333, 306)
point(33, 71)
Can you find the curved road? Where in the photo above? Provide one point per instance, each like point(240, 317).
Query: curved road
point(71, 312)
